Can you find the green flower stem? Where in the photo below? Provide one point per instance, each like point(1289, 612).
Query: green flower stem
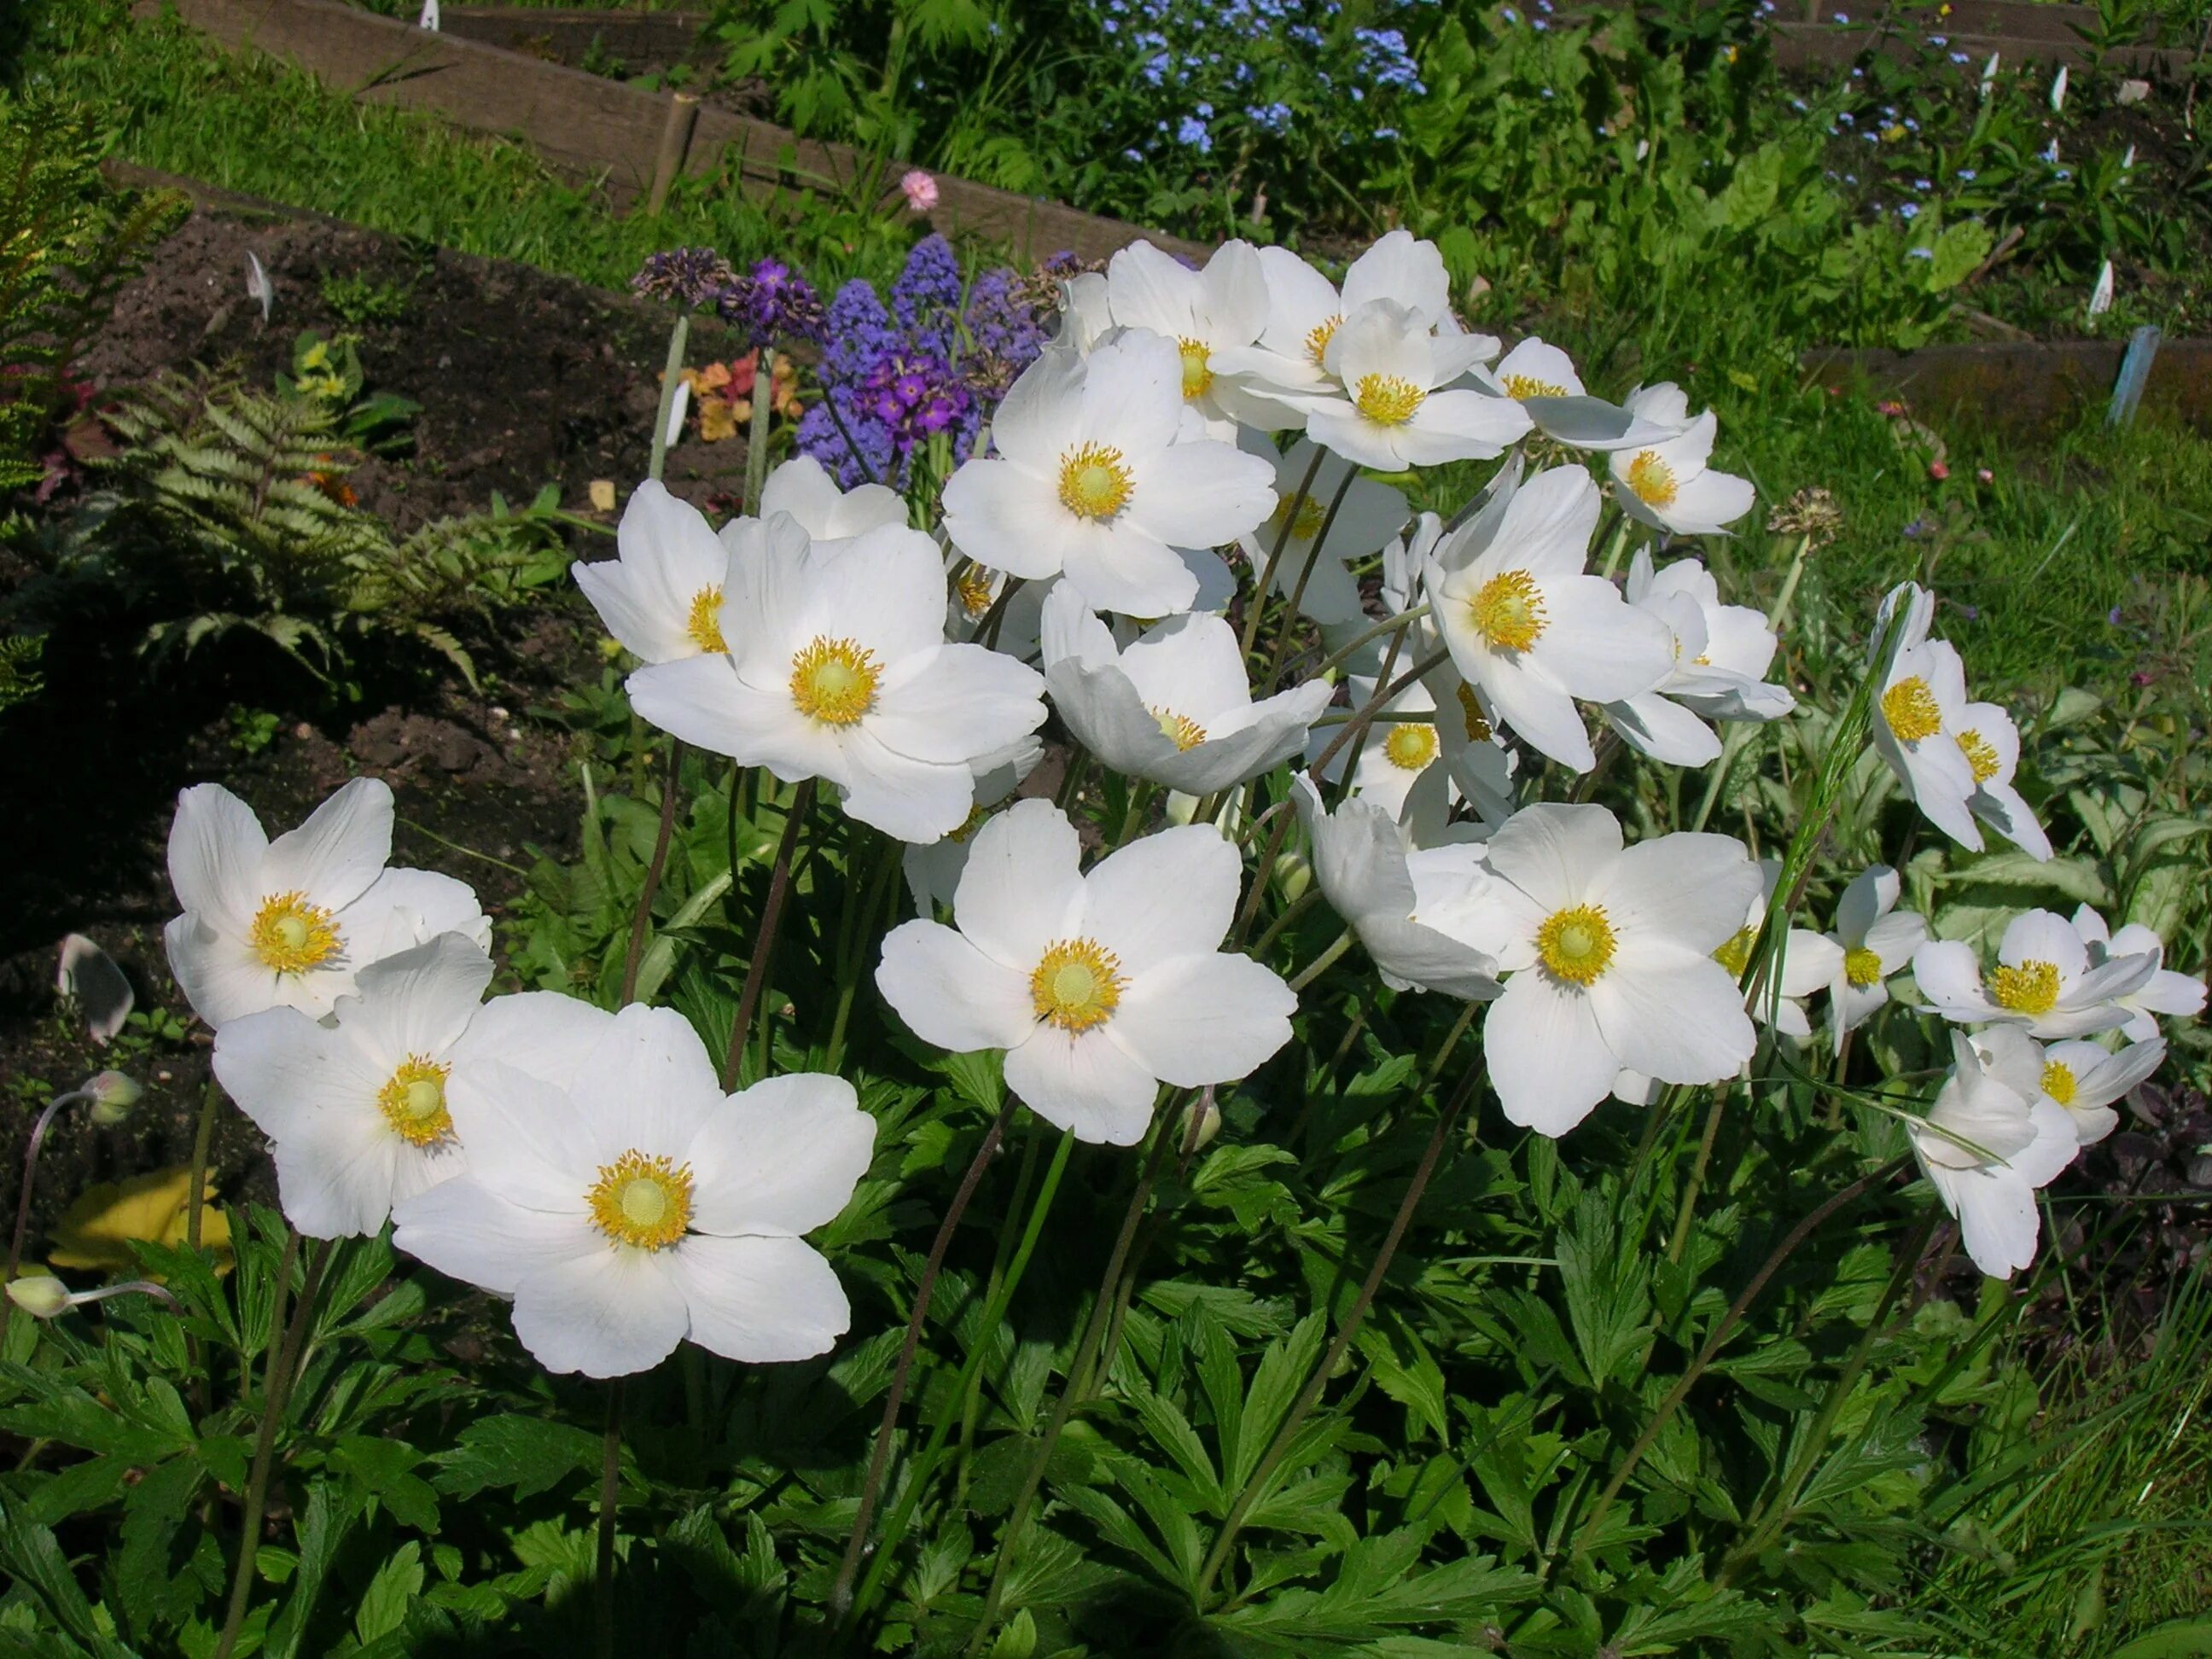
point(972, 1405)
point(1322, 964)
point(1354, 1316)
point(840, 1595)
point(23, 1201)
point(1616, 547)
point(1780, 614)
point(1081, 1373)
point(671, 788)
point(609, 1495)
point(1264, 578)
point(1688, 1210)
point(995, 1313)
point(779, 890)
point(1282, 813)
point(854, 929)
point(1385, 689)
point(1291, 912)
point(1298, 590)
point(672, 376)
point(756, 433)
point(1713, 1344)
point(1344, 653)
point(195, 1199)
point(276, 1395)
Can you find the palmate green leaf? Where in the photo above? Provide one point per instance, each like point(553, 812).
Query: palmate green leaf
point(1607, 1292)
point(2183, 1638)
point(384, 1604)
point(530, 1454)
point(35, 1563)
point(387, 1470)
point(155, 1587)
point(1379, 1588)
point(326, 1520)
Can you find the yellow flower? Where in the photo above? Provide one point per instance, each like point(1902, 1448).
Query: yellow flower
point(95, 1232)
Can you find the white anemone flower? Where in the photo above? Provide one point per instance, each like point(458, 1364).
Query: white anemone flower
point(1099, 987)
point(1916, 714)
point(1991, 742)
point(933, 873)
point(1218, 309)
point(640, 1207)
point(1877, 939)
point(288, 923)
point(1392, 403)
point(1173, 707)
point(1609, 956)
point(353, 1105)
point(2086, 1080)
point(802, 488)
point(1369, 515)
point(1528, 630)
point(2166, 991)
point(1543, 379)
point(1986, 1148)
point(1721, 656)
point(1397, 754)
point(838, 669)
point(661, 595)
point(2044, 979)
point(1305, 310)
point(1409, 905)
point(1808, 961)
point(1093, 477)
point(1483, 767)
point(1667, 484)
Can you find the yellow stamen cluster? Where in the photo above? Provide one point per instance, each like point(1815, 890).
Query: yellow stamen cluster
point(1981, 754)
point(1184, 731)
point(1653, 480)
point(413, 1102)
point(1508, 611)
point(834, 681)
point(643, 1202)
point(1305, 525)
point(1094, 482)
point(2029, 988)
point(1524, 385)
point(1411, 748)
point(2059, 1082)
point(1862, 967)
point(704, 624)
point(1078, 984)
point(291, 935)
point(1735, 955)
point(974, 588)
point(1909, 709)
point(1387, 400)
point(1197, 369)
point(1576, 944)
point(1318, 336)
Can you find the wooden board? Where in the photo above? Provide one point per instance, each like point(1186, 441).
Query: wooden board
point(2023, 386)
point(599, 128)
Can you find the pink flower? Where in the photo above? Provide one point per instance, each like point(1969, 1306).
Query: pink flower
point(1984, 475)
point(919, 190)
point(1938, 471)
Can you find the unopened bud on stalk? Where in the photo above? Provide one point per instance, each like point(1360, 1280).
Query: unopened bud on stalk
point(1201, 1122)
point(39, 1295)
point(1292, 875)
point(112, 1095)
point(1811, 512)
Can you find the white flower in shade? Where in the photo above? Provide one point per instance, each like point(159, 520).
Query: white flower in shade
point(1543, 379)
point(804, 488)
point(838, 669)
point(1986, 1147)
point(2086, 1080)
point(1721, 656)
point(1916, 713)
point(1877, 939)
point(1305, 310)
point(1408, 905)
point(1086, 313)
point(288, 923)
point(1395, 754)
point(933, 873)
point(661, 596)
point(1099, 987)
point(2166, 991)
point(1608, 954)
point(2044, 979)
point(1174, 707)
point(1091, 479)
point(355, 1105)
point(639, 1205)
point(1482, 767)
point(1528, 630)
point(1220, 308)
point(1391, 402)
point(1991, 742)
point(1666, 484)
point(1807, 962)
point(1369, 515)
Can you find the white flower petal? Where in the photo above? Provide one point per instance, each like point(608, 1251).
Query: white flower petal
point(342, 848)
point(1084, 1084)
point(418, 1001)
point(336, 1172)
point(1203, 1020)
point(468, 1232)
point(950, 993)
point(610, 1313)
point(1022, 887)
point(1553, 853)
point(1671, 1013)
point(1546, 1058)
point(528, 1145)
point(782, 1156)
point(542, 1033)
point(959, 702)
point(760, 1301)
point(1167, 895)
point(215, 847)
point(1692, 888)
point(647, 1085)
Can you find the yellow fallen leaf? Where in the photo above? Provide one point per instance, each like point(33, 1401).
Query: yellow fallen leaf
point(93, 1232)
point(602, 491)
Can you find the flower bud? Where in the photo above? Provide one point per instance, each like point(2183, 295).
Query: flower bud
point(1201, 1122)
point(1292, 875)
point(112, 1095)
point(39, 1295)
